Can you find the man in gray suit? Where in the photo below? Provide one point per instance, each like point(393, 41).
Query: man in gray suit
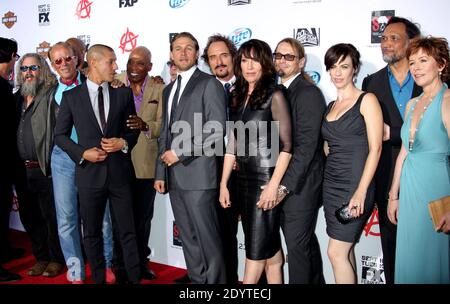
point(186, 168)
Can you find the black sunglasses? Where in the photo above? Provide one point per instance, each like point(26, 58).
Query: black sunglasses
point(16, 56)
point(33, 68)
point(288, 57)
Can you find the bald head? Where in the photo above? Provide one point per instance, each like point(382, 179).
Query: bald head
point(102, 63)
point(139, 64)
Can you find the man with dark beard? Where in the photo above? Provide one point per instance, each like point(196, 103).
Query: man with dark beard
point(394, 87)
point(36, 112)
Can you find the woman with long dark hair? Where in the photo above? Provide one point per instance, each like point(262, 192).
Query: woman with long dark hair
point(260, 143)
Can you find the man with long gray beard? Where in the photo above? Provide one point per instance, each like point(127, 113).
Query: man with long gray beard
point(36, 114)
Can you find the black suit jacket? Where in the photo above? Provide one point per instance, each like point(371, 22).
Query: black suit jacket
point(306, 166)
point(378, 83)
point(76, 110)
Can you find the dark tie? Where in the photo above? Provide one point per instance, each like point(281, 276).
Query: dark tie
point(175, 100)
point(101, 108)
point(226, 87)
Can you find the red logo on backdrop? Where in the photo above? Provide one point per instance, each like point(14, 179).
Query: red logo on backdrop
point(83, 10)
point(373, 221)
point(128, 39)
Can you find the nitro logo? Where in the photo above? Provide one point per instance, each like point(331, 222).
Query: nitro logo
point(378, 24)
point(315, 76)
point(9, 19)
point(371, 223)
point(127, 3)
point(176, 235)
point(44, 12)
point(240, 35)
point(372, 270)
point(177, 3)
point(43, 48)
point(308, 37)
point(83, 9)
point(128, 41)
point(239, 2)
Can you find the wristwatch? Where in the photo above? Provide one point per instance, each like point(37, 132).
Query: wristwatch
point(125, 147)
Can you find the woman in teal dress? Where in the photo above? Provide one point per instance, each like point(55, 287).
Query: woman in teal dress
point(422, 171)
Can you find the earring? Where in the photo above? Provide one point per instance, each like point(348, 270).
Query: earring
point(440, 73)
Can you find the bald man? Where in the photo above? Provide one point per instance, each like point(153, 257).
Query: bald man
point(103, 170)
point(147, 95)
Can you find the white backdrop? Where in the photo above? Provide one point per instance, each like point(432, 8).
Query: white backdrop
point(125, 24)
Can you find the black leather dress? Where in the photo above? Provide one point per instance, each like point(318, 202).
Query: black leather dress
point(257, 149)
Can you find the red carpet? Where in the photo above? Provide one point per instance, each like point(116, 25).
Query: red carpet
point(166, 274)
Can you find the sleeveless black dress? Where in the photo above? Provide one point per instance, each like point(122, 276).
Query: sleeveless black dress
point(348, 150)
point(256, 162)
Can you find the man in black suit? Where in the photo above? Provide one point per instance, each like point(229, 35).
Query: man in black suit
point(394, 87)
point(104, 169)
point(304, 175)
point(184, 168)
point(8, 57)
point(218, 54)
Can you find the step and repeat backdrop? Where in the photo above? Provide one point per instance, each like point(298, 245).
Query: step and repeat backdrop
point(318, 24)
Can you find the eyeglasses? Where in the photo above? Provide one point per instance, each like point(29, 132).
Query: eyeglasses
point(288, 57)
point(67, 59)
point(16, 56)
point(33, 68)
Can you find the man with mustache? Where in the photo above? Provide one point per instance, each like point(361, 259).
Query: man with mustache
point(394, 87)
point(147, 94)
point(218, 54)
point(36, 112)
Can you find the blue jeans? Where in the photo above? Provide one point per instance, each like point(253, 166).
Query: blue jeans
point(66, 204)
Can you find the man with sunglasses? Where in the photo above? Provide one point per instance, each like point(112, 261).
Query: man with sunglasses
point(8, 57)
point(303, 178)
point(64, 62)
point(36, 114)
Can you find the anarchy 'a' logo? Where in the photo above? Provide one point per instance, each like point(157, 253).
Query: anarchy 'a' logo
point(128, 41)
point(83, 10)
point(373, 221)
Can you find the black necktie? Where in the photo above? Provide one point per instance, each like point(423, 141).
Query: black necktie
point(226, 87)
point(175, 100)
point(101, 108)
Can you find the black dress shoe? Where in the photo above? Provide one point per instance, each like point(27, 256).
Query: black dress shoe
point(6, 276)
point(11, 254)
point(183, 280)
point(121, 276)
point(147, 274)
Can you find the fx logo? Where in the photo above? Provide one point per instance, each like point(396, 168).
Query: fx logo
point(43, 17)
point(83, 10)
point(127, 3)
point(129, 38)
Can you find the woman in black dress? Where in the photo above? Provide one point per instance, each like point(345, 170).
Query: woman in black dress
point(352, 130)
point(262, 150)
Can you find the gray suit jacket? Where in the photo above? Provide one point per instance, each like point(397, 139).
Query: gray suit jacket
point(203, 100)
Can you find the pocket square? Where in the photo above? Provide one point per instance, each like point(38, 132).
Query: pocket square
point(154, 101)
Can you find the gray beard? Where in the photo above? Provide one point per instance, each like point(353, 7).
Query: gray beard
point(391, 59)
point(30, 89)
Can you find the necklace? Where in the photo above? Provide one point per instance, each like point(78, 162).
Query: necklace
point(412, 135)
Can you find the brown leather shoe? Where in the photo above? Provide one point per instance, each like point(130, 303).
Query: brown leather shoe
point(53, 269)
point(38, 268)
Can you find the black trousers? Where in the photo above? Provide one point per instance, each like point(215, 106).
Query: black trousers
point(6, 196)
point(92, 209)
point(143, 207)
point(298, 222)
point(38, 215)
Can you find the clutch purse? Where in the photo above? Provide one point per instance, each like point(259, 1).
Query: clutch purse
point(437, 209)
point(343, 214)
